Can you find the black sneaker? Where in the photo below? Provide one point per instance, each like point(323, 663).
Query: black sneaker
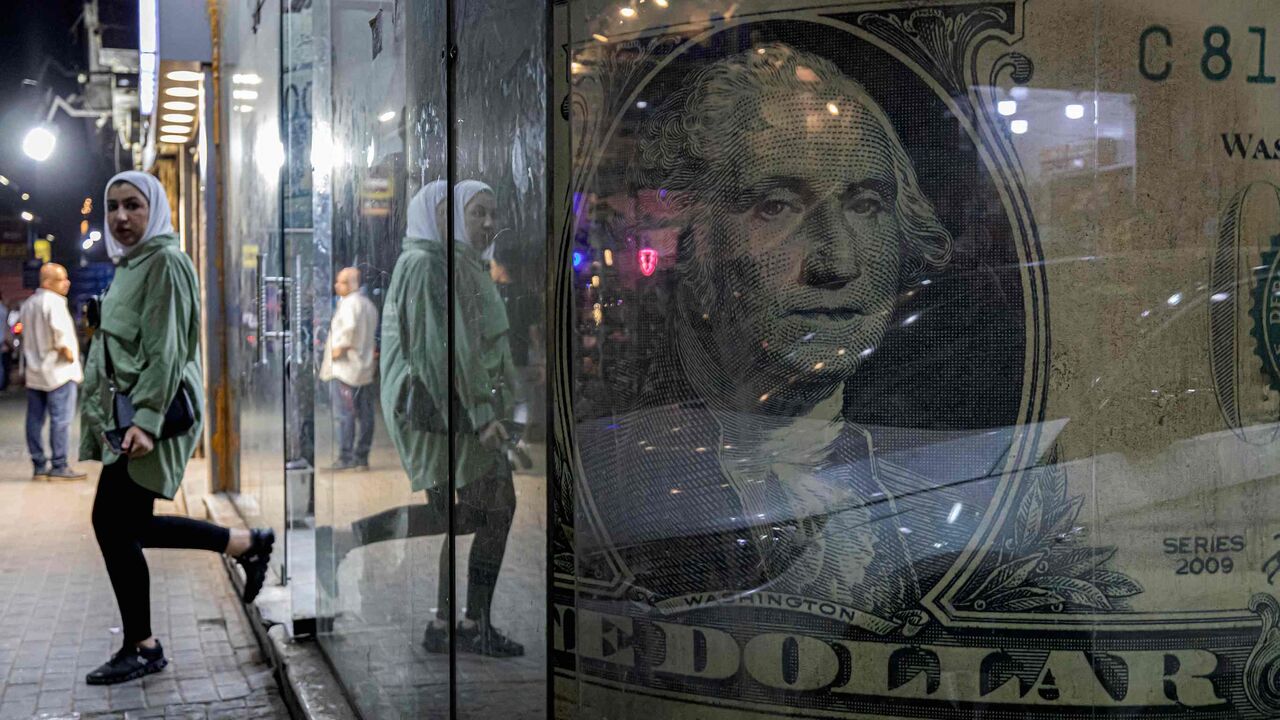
point(436, 638)
point(40, 474)
point(484, 639)
point(255, 562)
point(130, 663)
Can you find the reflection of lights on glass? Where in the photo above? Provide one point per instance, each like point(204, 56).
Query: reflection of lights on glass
point(1018, 127)
point(904, 530)
point(189, 92)
point(4, 180)
point(661, 3)
point(608, 258)
point(268, 152)
point(1007, 107)
point(244, 108)
point(937, 545)
point(841, 352)
point(26, 196)
point(866, 353)
point(676, 491)
point(1174, 299)
point(627, 12)
point(1075, 111)
point(597, 313)
point(642, 104)
point(387, 116)
point(86, 244)
point(1018, 93)
point(179, 105)
point(911, 319)
point(954, 514)
point(1146, 313)
point(28, 216)
point(326, 153)
point(600, 38)
point(833, 108)
point(648, 261)
point(926, 281)
point(764, 397)
point(175, 139)
point(819, 365)
point(95, 236)
point(1219, 297)
point(174, 129)
point(576, 67)
point(595, 281)
point(177, 118)
point(579, 257)
point(244, 94)
point(246, 79)
point(184, 76)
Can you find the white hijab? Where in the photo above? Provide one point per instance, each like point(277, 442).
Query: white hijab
point(159, 222)
point(463, 193)
point(422, 211)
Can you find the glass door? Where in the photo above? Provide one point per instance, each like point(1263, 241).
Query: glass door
point(255, 156)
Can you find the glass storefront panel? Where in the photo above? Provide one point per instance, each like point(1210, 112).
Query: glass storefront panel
point(382, 549)
point(254, 155)
point(906, 358)
point(499, 277)
point(913, 359)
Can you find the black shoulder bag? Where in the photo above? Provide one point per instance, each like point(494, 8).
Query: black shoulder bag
point(178, 418)
point(414, 407)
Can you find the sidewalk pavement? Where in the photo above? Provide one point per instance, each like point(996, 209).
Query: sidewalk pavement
point(60, 618)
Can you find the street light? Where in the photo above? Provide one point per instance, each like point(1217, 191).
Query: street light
point(40, 140)
point(39, 143)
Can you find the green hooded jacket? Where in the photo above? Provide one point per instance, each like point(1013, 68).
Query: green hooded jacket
point(151, 321)
point(485, 377)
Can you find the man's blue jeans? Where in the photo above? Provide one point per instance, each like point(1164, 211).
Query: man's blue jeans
point(354, 408)
point(60, 406)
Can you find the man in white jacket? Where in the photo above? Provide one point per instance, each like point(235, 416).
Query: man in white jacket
point(51, 352)
point(349, 363)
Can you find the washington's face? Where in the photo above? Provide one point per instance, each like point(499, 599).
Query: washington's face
point(802, 253)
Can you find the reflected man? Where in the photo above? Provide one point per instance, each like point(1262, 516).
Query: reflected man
point(349, 363)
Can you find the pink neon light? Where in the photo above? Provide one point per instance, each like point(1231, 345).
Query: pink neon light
point(648, 261)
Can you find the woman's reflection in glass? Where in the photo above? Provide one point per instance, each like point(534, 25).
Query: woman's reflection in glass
point(414, 372)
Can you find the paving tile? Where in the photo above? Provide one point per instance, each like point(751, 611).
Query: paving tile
point(61, 620)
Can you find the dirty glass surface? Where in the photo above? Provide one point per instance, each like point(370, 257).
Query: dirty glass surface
point(255, 154)
point(500, 238)
point(378, 140)
point(915, 359)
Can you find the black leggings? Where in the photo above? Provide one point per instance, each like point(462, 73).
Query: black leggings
point(485, 507)
point(124, 524)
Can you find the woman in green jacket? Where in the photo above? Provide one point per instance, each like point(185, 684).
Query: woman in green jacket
point(147, 349)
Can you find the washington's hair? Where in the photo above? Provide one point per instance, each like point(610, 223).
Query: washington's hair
point(688, 147)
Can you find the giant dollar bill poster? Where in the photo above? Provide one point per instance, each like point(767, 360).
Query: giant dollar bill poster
point(917, 359)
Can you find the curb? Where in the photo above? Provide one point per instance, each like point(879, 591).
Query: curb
point(307, 683)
